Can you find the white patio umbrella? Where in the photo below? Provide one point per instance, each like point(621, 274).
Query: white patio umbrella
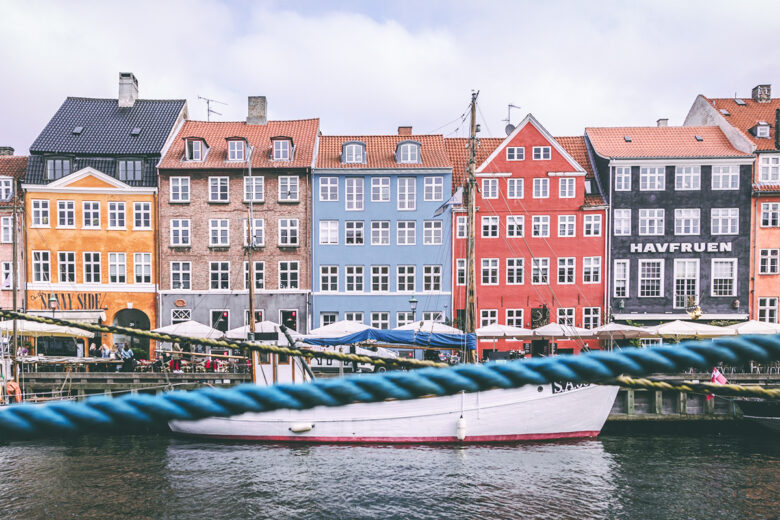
point(35, 329)
point(191, 329)
point(613, 331)
point(430, 326)
point(498, 331)
point(689, 329)
point(338, 329)
point(754, 327)
point(557, 331)
point(264, 327)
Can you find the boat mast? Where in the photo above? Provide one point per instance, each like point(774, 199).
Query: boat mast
point(471, 191)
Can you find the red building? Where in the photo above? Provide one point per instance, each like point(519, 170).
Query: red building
point(540, 253)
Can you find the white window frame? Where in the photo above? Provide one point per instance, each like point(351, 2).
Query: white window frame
point(488, 317)
point(731, 219)
point(687, 178)
point(409, 153)
point(380, 278)
point(515, 153)
point(515, 317)
point(219, 232)
point(117, 213)
point(461, 227)
point(515, 226)
point(289, 188)
point(254, 188)
point(282, 150)
point(329, 278)
point(460, 271)
point(219, 189)
point(769, 261)
point(354, 233)
point(329, 189)
point(567, 224)
point(661, 289)
point(66, 266)
point(380, 232)
point(223, 275)
point(542, 153)
point(179, 190)
point(541, 188)
point(622, 178)
point(41, 266)
point(92, 263)
point(182, 225)
point(409, 273)
point(654, 216)
point(735, 279)
point(354, 193)
point(291, 270)
point(142, 267)
point(380, 320)
point(566, 316)
point(490, 226)
point(7, 224)
point(407, 193)
point(567, 266)
point(542, 224)
point(591, 225)
point(515, 271)
point(680, 273)
point(725, 177)
point(91, 211)
point(142, 211)
point(767, 309)
point(329, 232)
point(353, 153)
point(432, 278)
point(621, 217)
point(433, 232)
point(652, 178)
point(259, 276)
point(490, 271)
point(408, 230)
point(490, 188)
point(235, 150)
point(515, 188)
point(687, 221)
point(770, 214)
point(540, 271)
point(66, 208)
point(433, 190)
point(769, 168)
point(626, 280)
point(182, 268)
point(380, 189)
point(257, 232)
point(567, 188)
point(591, 317)
point(292, 228)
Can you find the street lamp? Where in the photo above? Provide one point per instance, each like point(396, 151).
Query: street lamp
point(413, 306)
point(53, 302)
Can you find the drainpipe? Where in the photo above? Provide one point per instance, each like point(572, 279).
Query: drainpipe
point(608, 246)
point(777, 134)
point(754, 270)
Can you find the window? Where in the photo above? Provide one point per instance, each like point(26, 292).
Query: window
point(259, 316)
point(407, 193)
point(288, 275)
point(329, 232)
point(408, 153)
point(380, 278)
point(591, 317)
point(380, 233)
point(540, 226)
point(540, 271)
point(566, 316)
point(254, 189)
point(91, 215)
point(488, 317)
point(142, 215)
point(181, 275)
point(724, 277)
point(180, 189)
point(651, 278)
point(461, 225)
point(354, 194)
point(353, 153)
point(541, 153)
point(7, 230)
point(434, 188)
point(380, 189)
point(767, 310)
point(219, 232)
point(489, 188)
point(762, 130)
point(769, 169)
point(622, 222)
point(404, 318)
point(257, 233)
point(66, 266)
point(288, 232)
point(770, 214)
point(180, 232)
point(142, 263)
point(651, 222)
point(621, 279)
point(329, 278)
point(432, 233)
point(541, 188)
point(686, 283)
point(235, 150)
point(769, 261)
point(687, 221)
point(259, 276)
point(406, 232)
point(92, 267)
point(567, 225)
point(566, 188)
point(514, 188)
point(116, 215)
point(725, 177)
point(220, 319)
point(7, 276)
point(281, 150)
point(326, 318)
point(652, 178)
point(180, 315)
point(687, 178)
point(219, 274)
point(329, 189)
point(130, 170)
point(431, 278)
point(117, 267)
point(489, 227)
point(41, 266)
point(515, 226)
point(40, 216)
point(725, 221)
point(622, 178)
point(490, 271)
point(353, 233)
point(405, 278)
point(57, 168)
point(357, 317)
point(566, 270)
point(66, 214)
point(288, 188)
point(514, 317)
point(515, 153)
point(218, 189)
point(380, 320)
point(194, 150)
point(592, 226)
point(460, 271)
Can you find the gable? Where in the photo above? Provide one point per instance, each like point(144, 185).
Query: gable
point(89, 181)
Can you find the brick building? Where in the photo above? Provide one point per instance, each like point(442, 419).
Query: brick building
point(12, 170)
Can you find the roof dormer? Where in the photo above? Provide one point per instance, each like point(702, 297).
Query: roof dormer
point(195, 149)
point(282, 148)
point(236, 148)
point(353, 152)
point(408, 152)
point(761, 129)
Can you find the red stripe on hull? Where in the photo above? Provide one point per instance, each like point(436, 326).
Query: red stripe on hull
point(404, 440)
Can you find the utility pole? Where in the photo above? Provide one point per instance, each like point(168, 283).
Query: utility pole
point(471, 191)
point(250, 229)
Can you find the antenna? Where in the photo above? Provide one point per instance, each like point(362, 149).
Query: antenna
point(209, 111)
point(509, 126)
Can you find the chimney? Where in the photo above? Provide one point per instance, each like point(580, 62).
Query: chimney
point(257, 111)
point(128, 89)
point(404, 130)
point(6, 150)
point(762, 93)
point(662, 122)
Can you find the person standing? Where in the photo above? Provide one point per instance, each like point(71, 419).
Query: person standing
point(127, 359)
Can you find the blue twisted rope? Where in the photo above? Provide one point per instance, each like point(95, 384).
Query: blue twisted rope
point(139, 412)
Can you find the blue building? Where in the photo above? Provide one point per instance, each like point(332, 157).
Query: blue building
point(376, 241)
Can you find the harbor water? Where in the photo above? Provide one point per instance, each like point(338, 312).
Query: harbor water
point(615, 476)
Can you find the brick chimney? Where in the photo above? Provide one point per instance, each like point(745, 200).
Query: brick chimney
point(662, 122)
point(128, 89)
point(6, 150)
point(404, 130)
point(762, 93)
point(257, 113)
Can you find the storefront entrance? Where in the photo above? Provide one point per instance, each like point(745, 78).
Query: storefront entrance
point(134, 319)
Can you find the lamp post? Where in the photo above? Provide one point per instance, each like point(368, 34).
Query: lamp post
point(413, 306)
point(53, 302)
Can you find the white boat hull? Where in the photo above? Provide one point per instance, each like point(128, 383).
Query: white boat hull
point(527, 413)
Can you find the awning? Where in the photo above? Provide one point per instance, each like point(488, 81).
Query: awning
point(82, 316)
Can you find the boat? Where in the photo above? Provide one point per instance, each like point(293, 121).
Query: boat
point(764, 412)
point(561, 410)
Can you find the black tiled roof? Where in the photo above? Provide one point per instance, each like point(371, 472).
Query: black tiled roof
point(106, 127)
point(36, 169)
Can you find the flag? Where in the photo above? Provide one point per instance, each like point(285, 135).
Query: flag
point(455, 200)
point(717, 379)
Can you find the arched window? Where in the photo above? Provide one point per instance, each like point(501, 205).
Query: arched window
point(353, 153)
point(408, 152)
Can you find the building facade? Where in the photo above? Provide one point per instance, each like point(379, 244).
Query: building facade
point(12, 170)
point(751, 125)
point(377, 238)
point(539, 236)
point(208, 197)
point(679, 203)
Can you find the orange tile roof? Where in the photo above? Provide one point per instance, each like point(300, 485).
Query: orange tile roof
point(594, 200)
point(303, 133)
point(662, 142)
point(766, 188)
point(380, 151)
point(457, 149)
point(746, 117)
point(13, 165)
point(576, 147)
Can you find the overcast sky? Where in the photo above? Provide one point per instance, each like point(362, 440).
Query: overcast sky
point(368, 67)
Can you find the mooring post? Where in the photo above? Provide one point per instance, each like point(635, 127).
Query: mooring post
point(683, 403)
point(630, 401)
point(659, 402)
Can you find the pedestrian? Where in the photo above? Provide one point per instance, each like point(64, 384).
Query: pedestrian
point(127, 359)
point(176, 358)
point(92, 350)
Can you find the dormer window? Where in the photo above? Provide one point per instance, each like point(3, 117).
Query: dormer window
point(235, 150)
point(194, 150)
point(353, 153)
point(408, 152)
point(281, 149)
point(762, 129)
